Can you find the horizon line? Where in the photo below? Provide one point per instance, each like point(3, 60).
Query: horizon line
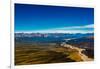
point(57, 32)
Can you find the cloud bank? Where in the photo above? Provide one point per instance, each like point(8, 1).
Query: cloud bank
point(72, 29)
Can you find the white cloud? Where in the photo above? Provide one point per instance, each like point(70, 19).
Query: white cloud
point(89, 26)
point(63, 31)
point(72, 29)
point(77, 27)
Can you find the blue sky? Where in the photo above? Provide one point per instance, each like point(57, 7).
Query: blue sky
point(51, 19)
